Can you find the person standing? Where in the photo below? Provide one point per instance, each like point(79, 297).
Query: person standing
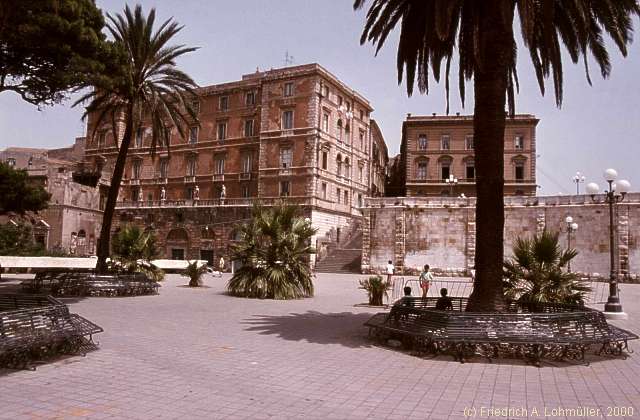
point(426, 277)
point(221, 264)
point(390, 270)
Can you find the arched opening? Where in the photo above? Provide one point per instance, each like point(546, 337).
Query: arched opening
point(177, 243)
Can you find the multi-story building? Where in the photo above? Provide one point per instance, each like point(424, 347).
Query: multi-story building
point(71, 222)
point(379, 161)
point(437, 156)
point(297, 133)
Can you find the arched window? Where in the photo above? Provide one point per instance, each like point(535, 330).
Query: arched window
point(339, 128)
point(339, 165)
point(347, 168)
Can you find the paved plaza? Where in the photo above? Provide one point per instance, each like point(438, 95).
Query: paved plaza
point(200, 354)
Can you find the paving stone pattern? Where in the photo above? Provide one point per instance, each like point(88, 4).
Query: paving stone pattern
point(199, 354)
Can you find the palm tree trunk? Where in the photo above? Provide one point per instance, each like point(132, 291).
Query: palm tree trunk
point(116, 179)
point(488, 127)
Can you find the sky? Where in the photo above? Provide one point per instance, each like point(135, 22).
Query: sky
point(598, 127)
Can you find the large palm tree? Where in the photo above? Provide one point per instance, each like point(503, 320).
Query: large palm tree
point(146, 85)
point(481, 34)
point(273, 250)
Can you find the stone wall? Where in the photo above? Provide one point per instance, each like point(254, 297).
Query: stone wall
point(441, 232)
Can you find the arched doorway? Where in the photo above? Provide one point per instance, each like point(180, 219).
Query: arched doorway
point(177, 243)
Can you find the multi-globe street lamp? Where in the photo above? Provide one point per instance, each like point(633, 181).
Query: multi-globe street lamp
point(452, 181)
point(612, 196)
point(571, 227)
point(578, 179)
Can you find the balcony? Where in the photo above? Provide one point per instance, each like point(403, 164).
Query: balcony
point(162, 180)
point(284, 172)
point(189, 179)
point(218, 177)
point(245, 176)
point(134, 181)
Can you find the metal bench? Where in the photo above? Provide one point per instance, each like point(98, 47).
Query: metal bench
point(533, 331)
point(89, 284)
point(36, 327)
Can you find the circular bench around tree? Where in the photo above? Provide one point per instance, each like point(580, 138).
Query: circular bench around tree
point(532, 331)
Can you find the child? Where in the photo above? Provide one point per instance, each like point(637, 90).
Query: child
point(444, 302)
point(425, 280)
point(390, 269)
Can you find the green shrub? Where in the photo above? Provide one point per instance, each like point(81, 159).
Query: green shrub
point(376, 288)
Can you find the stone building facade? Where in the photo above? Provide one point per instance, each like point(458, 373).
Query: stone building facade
point(71, 222)
point(435, 148)
point(440, 231)
point(296, 133)
point(379, 161)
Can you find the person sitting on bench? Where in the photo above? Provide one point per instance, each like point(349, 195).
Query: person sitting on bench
point(444, 302)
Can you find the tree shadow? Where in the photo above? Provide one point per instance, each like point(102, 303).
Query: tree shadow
point(344, 328)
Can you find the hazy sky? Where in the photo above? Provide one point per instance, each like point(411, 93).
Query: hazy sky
point(597, 127)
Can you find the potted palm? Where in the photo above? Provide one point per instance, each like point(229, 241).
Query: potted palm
point(376, 288)
point(195, 272)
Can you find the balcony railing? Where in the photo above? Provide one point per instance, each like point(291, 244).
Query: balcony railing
point(134, 181)
point(190, 179)
point(162, 180)
point(218, 177)
point(217, 202)
point(245, 176)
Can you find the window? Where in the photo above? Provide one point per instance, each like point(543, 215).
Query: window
point(285, 157)
point(102, 139)
point(360, 173)
point(468, 142)
point(11, 162)
point(421, 170)
point(339, 165)
point(224, 103)
point(136, 169)
point(325, 123)
point(348, 106)
point(347, 130)
point(359, 200)
point(135, 192)
point(246, 163)
point(339, 195)
point(519, 171)
point(362, 115)
point(444, 142)
point(248, 128)
point(422, 142)
point(163, 138)
point(288, 89)
point(445, 171)
point(164, 168)
point(191, 166)
point(218, 165)
point(188, 193)
point(361, 139)
point(325, 91)
point(339, 100)
point(139, 136)
point(287, 120)
point(346, 197)
point(246, 191)
point(347, 168)
point(250, 98)
point(222, 131)
point(324, 190)
point(195, 106)
point(518, 142)
point(339, 130)
point(285, 188)
point(325, 158)
point(471, 171)
point(193, 135)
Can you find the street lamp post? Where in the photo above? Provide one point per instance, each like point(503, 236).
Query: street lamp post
point(612, 196)
point(451, 181)
point(578, 178)
point(571, 227)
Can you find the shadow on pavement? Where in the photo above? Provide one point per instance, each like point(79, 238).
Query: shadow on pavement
point(344, 328)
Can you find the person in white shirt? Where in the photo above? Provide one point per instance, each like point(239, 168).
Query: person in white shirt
point(390, 270)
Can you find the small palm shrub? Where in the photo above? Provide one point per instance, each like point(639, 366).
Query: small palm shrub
point(132, 251)
point(376, 288)
point(195, 272)
point(273, 250)
point(536, 272)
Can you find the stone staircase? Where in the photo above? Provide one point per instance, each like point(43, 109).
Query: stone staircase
point(343, 258)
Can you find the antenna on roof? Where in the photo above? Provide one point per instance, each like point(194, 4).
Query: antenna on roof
point(288, 59)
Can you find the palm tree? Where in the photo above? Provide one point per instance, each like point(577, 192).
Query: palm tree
point(535, 272)
point(482, 36)
point(195, 271)
point(146, 85)
point(133, 250)
point(274, 255)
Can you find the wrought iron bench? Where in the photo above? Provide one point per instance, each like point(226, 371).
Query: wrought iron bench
point(530, 331)
point(36, 327)
point(88, 284)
